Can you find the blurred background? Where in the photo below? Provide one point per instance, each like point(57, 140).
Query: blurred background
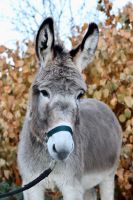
point(109, 77)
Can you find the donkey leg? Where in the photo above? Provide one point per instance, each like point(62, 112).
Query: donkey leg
point(90, 194)
point(107, 188)
point(72, 193)
point(35, 193)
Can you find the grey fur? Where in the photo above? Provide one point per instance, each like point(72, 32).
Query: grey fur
point(97, 133)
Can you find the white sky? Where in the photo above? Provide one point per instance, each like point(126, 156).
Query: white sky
point(8, 36)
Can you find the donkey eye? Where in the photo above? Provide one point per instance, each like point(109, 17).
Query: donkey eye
point(45, 93)
point(80, 95)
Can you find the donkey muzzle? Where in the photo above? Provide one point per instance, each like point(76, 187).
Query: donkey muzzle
point(60, 142)
point(61, 154)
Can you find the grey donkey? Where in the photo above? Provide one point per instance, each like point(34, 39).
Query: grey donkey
point(83, 136)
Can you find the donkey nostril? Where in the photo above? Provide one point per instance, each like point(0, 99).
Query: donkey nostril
point(54, 149)
point(61, 154)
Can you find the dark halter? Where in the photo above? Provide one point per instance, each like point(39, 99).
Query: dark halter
point(58, 129)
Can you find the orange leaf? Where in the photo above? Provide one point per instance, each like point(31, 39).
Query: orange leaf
point(19, 63)
point(7, 89)
point(2, 49)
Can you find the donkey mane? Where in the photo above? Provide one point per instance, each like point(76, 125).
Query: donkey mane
point(58, 49)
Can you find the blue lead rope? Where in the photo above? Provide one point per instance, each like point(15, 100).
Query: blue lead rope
point(58, 129)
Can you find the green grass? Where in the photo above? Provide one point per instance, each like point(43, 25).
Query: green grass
point(6, 186)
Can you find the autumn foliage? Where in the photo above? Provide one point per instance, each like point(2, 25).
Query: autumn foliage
point(109, 79)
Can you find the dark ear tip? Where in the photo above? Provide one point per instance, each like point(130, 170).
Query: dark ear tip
point(48, 20)
point(92, 27)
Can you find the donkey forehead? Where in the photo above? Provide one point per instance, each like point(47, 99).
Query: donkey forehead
point(61, 78)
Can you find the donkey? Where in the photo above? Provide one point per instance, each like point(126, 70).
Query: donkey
point(83, 136)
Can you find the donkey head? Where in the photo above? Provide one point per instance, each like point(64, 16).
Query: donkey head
point(58, 88)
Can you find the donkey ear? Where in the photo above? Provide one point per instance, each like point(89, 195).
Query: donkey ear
point(45, 40)
point(83, 54)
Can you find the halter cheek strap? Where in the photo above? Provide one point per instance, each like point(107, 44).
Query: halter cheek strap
point(58, 129)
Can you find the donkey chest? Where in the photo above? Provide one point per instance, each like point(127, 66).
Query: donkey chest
point(57, 180)
point(86, 181)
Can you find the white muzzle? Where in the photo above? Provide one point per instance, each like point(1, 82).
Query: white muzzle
point(60, 142)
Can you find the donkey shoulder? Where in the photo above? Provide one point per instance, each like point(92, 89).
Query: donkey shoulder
point(100, 133)
point(99, 113)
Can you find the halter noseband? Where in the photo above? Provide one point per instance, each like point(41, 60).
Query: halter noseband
point(58, 129)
